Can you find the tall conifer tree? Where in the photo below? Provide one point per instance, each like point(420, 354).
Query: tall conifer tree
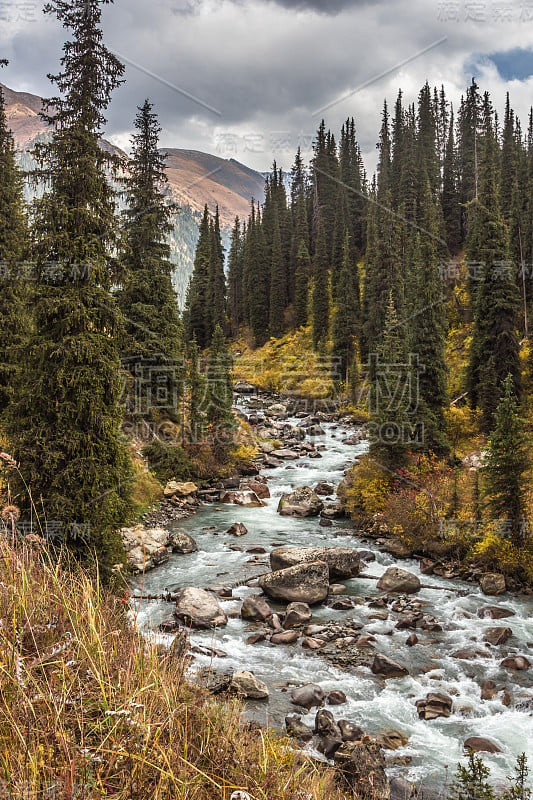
point(66, 420)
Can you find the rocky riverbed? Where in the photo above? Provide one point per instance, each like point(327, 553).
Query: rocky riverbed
point(285, 597)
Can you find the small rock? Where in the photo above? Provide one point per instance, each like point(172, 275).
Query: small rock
point(312, 644)
point(238, 529)
point(285, 637)
point(297, 614)
point(336, 698)
point(434, 705)
point(411, 640)
point(303, 583)
point(176, 489)
point(255, 608)
point(488, 690)
point(495, 612)
point(387, 667)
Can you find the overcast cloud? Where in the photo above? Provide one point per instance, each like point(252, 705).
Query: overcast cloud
point(248, 80)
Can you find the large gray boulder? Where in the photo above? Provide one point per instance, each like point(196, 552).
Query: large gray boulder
point(303, 502)
point(399, 580)
point(343, 562)
point(303, 583)
point(199, 608)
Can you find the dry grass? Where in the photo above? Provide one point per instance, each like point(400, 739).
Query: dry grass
point(90, 709)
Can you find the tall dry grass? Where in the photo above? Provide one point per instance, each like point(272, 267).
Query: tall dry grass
point(89, 708)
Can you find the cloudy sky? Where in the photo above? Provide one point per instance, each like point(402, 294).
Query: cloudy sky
point(251, 79)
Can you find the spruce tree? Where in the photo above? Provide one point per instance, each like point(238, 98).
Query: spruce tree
point(66, 418)
point(13, 248)
point(303, 274)
point(321, 304)
point(427, 327)
point(495, 350)
point(196, 316)
point(196, 396)
point(506, 465)
point(278, 276)
point(218, 376)
point(147, 300)
point(390, 423)
point(236, 278)
point(215, 311)
point(345, 326)
point(256, 276)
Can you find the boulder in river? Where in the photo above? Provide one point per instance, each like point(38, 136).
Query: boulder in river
point(399, 580)
point(516, 662)
point(495, 612)
point(245, 684)
point(261, 489)
point(435, 704)
point(181, 542)
point(497, 636)
point(479, 744)
point(297, 614)
point(336, 698)
point(245, 498)
point(302, 502)
point(287, 455)
point(332, 511)
point(324, 488)
point(343, 562)
point(285, 637)
point(388, 668)
point(198, 608)
point(307, 696)
point(238, 529)
point(492, 583)
point(303, 583)
point(255, 608)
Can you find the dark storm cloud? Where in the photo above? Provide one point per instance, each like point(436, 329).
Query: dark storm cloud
point(322, 6)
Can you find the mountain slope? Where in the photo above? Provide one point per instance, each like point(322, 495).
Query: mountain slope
point(194, 179)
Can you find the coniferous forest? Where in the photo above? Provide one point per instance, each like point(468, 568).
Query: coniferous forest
point(368, 332)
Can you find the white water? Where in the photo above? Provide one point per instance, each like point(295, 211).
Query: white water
point(372, 703)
